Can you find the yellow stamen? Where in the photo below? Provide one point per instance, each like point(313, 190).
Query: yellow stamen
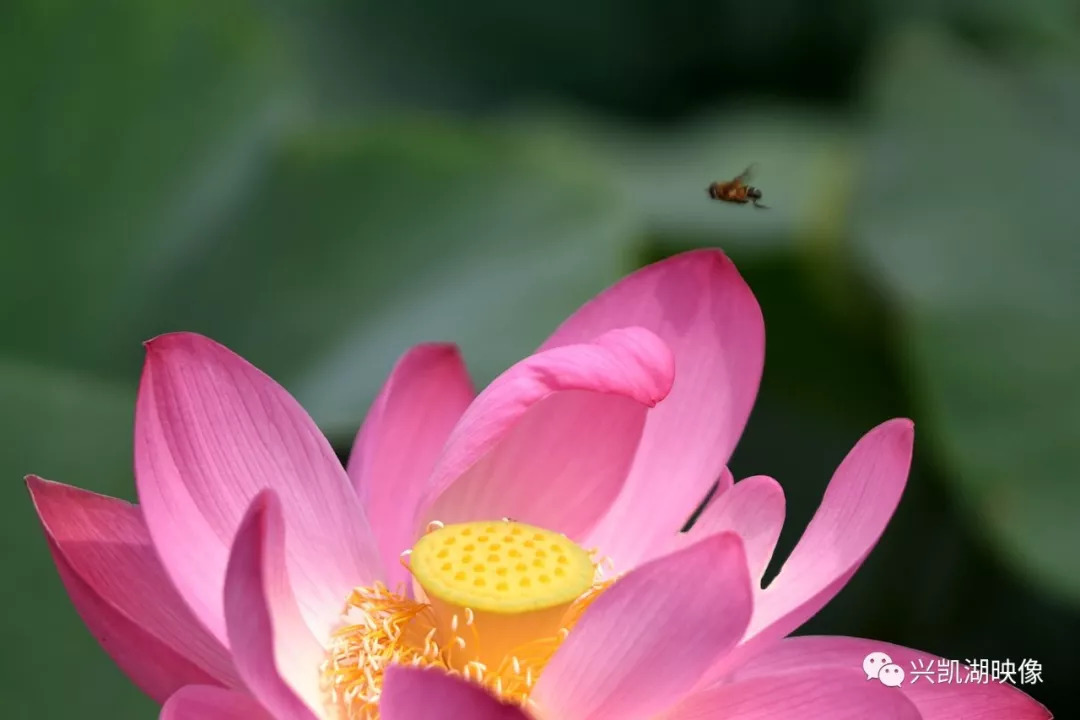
point(494, 602)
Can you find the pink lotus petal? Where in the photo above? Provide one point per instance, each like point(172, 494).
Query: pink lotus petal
point(399, 442)
point(105, 560)
point(825, 655)
point(858, 503)
point(415, 694)
point(211, 431)
point(754, 508)
point(723, 484)
point(550, 440)
point(700, 306)
point(204, 702)
point(274, 650)
point(837, 695)
point(648, 638)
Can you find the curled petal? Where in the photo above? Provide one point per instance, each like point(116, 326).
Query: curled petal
point(211, 432)
point(647, 639)
point(700, 306)
point(400, 440)
point(430, 694)
point(274, 650)
point(550, 440)
point(103, 554)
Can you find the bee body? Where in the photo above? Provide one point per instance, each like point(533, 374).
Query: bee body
point(736, 191)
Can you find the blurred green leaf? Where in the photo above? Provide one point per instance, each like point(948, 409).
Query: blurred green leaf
point(969, 218)
point(649, 58)
point(120, 123)
point(999, 25)
point(359, 242)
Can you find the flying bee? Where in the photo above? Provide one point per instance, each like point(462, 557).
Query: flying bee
point(736, 191)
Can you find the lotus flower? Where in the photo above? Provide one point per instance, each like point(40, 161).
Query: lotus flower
point(513, 554)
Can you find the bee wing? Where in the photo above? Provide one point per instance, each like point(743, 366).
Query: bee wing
point(746, 174)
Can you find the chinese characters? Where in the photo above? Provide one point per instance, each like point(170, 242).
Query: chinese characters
point(945, 672)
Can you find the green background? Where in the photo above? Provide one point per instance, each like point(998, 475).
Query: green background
point(319, 185)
